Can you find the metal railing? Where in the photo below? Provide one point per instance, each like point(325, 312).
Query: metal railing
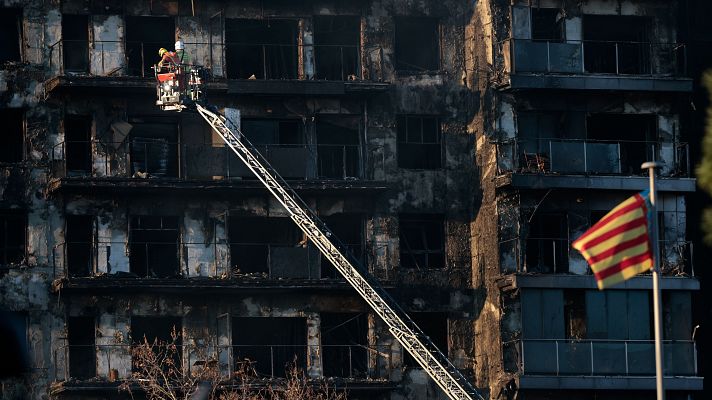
point(232, 60)
point(591, 357)
point(579, 156)
point(353, 361)
point(157, 158)
point(621, 58)
point(555, 255)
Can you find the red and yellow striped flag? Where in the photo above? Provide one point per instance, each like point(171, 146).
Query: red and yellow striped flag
point(618, 246)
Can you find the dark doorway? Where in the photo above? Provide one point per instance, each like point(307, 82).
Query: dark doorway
point(336, 47)
point(349, 229)
point(77, 139)
point(154, 246)
point(547, 24)
point(75, 43)
point(158, 331)
point(417, 44)
point(12, 139)
point(13, 232)
point(266, 49)
point(82, 353)
point(154, 147)
point(271, 344)
point(344, 342)
point(10, 34)
point(282, 142)
point(144, 37)
point(434, 325)
point(635, 133)
point(547, 244)
point(338, 150)
point(78, 236)
point(616, 44)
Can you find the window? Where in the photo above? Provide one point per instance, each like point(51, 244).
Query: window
point(422, 241)
point(75, 43)
point(349, 229)
point(13, 227)
point(144, 36)
point(78, 238)
point(336, 47)
point(635, 136)
point(547, 243)
point(82, 354)
point(282, 142)
point(419, 142)
point(10, 34)
point(547, 24)
point(154, 147)
point(12, 138)
point(13, 336)
point(159, 331)
point(272, 344)
point(616, 44)
point(265, 49)
point(434, 325)
point(417, 44)
point(77, 139)
point(344, 341)
point(338, 150)
point(153, 244)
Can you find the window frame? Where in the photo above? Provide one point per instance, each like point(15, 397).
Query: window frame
point(439, 52)
point(404, 118)
point(421, 221)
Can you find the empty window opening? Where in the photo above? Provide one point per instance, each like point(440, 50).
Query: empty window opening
point(422, 241)
point(547, 244)
point(10, 34)
point(75, 43)
point(13, 336)
point(344, 342)
point(77, 140)
point(349, 228)
point(154, 147)
point(616, 44)
point(435, 326)
point(336, 42)
point(82, 353)
point(265, 49)
point(13, 228)
point(12, 138)
point(154, 246)
point(575, 314)
point(78, 238)
point(417, 44)
point(547, 24)
point(419, 142)
point(271, 345)
point(338, 150)
point(272, 247)
point(144, 37)
point(158, 331)
point(282, 142)
point(635, 134)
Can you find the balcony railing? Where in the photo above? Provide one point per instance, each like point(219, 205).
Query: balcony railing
point(601, 157)
point(85, 362)
point(555, 255)
point(158, 158)
point(620, 58)
point(227, 60)
point(586, 357)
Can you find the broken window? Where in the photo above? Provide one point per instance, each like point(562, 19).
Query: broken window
point(282, 142)
point(419, 142)
point(338, 150)
point(634, 134)
point(13, 336)
point(154, 147)
point(82, 353)
point(78, 238)
point(153, 242)
point(75, 42)
point(547, 24)
point(336, 47)
point(158, 331)
point(344, 342)
point(77, 139)
point(273, 247)
point(10, 34)
point(12, 138)
point(433, 325)
point(349, 229)
point(417, 44)
point(547, 248)
point(13, 227)
point(144, 37)
point(261, 49)
point(617, 44)
point(422, 241)
point(272, 345)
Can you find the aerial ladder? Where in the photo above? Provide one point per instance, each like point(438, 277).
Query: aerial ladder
point(181, 89)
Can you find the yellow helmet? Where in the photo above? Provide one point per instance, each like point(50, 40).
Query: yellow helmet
point(162, 51)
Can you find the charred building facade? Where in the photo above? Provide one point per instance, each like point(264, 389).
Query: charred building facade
point(456, 147)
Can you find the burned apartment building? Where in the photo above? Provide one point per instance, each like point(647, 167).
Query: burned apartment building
point(456, 147)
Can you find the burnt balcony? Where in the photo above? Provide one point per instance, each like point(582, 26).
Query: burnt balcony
point(591, 164)
point(624, 364)
point(593, 65)
point(239, 68)
point(157, 164)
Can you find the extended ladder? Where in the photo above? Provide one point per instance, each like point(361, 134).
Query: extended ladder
point(399, 324)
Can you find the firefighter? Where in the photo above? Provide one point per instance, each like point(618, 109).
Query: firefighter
point(169, 58)
point(181, 54)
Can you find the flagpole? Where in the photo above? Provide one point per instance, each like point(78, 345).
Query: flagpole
point(651, 167)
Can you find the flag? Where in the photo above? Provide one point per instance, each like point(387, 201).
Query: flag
point(618, 246)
